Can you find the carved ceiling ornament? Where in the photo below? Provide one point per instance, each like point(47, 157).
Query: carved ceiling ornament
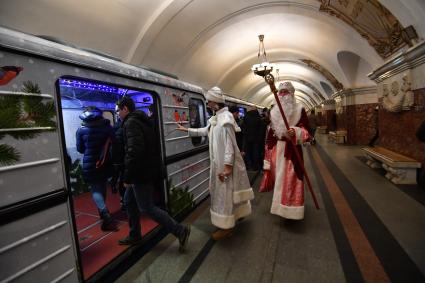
point(328, 75)
point(399, 97)
point(372, 20)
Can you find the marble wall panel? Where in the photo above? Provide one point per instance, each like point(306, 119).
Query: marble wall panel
point(366, 123)
point(397, 131)
point(329, 120)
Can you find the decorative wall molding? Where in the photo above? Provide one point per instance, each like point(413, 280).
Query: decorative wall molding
point(328, 75)
point(355, 96)
point(328, 105)
point(372, 20)
point(410, 59)
point(355, 91)
point(399, 96)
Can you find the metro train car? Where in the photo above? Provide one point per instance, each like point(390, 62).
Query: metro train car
point(242, 105)
point(50, 228)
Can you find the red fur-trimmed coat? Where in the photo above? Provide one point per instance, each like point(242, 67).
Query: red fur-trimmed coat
point(288, 195)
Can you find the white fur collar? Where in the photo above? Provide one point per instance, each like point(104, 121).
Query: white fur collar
point(224, 117)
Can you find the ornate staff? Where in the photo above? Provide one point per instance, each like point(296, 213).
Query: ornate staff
point(270, 81)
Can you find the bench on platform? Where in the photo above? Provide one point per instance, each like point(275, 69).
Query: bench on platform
point(321, 129)
point(338, 136)
point(400, 169)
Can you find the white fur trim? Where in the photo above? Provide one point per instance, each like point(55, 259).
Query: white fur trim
point(266, 165)
point(298, 135)
point(193, 132)
point(222, 221)
point(228, 221)
point(289, 212)
point(244, 195)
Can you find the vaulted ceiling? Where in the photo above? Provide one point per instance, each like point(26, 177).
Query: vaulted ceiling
point(320, 45)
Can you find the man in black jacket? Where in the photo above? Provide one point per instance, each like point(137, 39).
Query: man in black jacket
point(141, 169)
point(254, 130)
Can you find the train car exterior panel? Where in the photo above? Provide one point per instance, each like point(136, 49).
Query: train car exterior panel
point(30, 248)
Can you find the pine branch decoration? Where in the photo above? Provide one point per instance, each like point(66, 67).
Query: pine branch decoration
point(39, 113)
point(23, 112)
point(8, 155)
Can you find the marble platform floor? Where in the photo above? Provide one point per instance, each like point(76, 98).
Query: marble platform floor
point(367, 230)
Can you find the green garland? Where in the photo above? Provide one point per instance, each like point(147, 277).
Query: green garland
point(23, 112)
point(78, 186)
point(180, 199)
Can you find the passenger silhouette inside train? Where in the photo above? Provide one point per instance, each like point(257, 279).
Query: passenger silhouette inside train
point(93, 141)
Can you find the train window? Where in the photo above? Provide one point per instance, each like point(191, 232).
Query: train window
point(209, 113)
point(77, 95)
point(242, 112)
point(197, 118)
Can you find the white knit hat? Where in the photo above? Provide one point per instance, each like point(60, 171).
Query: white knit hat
point(288, 86)
point(215, 94)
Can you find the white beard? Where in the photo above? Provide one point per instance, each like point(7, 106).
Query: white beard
point(292, 112)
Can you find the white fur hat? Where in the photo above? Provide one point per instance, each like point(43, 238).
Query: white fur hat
point(288, 86)
point(215, 94)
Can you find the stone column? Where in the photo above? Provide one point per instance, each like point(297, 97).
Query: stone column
point(328, 115)
point(356, 114)
point(401, 94)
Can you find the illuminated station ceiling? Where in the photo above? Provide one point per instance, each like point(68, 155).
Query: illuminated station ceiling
point(322, 46)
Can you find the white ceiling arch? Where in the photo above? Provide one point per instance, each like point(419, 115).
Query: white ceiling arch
point(209, 42)
point(263, 90)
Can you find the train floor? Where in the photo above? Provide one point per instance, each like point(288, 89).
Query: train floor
point(367, 230)
point(97, 247)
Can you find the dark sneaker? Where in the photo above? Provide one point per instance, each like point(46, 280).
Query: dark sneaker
point(184, 238)
point(109, 225)
point(129, 241)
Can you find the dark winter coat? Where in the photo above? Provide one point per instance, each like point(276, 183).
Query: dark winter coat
point(253, 127)
point(118, 150)
point(141, 161)
point(91, 138)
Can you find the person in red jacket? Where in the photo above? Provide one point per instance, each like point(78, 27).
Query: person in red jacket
point(288, 195)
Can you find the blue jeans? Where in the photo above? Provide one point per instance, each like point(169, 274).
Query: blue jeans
point(139, 198)
point(98, 192)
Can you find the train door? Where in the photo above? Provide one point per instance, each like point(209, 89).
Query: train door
point(36, 242)
point(97, 247)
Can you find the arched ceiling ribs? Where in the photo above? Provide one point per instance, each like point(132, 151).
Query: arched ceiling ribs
point(269, 100)
point(312, 102)
point(306, 102)
point(371, 20)
point(241, 13)
point(264, 91)
point(322, 70)
point(254, 90)
point(152, 28)
point(317, 94)
point(312, 66)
